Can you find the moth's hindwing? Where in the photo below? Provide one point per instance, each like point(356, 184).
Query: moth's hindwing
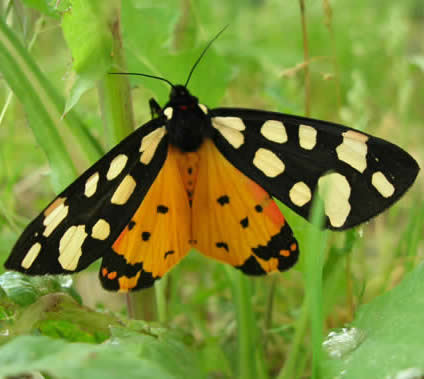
point(236, 221)
point(157, 236)
point(291, 157)
point(88, 216)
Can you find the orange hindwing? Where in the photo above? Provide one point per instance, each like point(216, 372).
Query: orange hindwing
point(156, 238)
point(236, 221)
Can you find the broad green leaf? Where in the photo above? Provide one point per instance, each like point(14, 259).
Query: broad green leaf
point(60, 359)
point(135, 350)
point(93, 33)
point(81, 86)
point(159, 345)
point(24, 290)
point(51, 8)
point(88, 33)
point(155, 46)
point(385, 339)
point(87, 29)
point(60, 316)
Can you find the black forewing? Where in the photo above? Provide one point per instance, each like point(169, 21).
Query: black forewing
point(87, 211)
point(309, 165)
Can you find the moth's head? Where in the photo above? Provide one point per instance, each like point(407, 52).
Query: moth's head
point(179, 91)
point(181, 96)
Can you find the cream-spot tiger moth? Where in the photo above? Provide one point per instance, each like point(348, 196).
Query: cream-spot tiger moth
point(205, 178)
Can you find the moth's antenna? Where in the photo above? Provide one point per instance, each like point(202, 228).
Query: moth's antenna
point(203, 53)
point(146, 75)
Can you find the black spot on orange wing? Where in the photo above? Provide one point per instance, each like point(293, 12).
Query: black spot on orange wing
point(222, 200)
point(131, 224)
point(244, 222)
point(190, 197)
point(145, 236)
point(170, 252)
point(222, 245)
point(162, 209)
point(258, 208)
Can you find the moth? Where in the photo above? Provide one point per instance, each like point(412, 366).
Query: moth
point(202, 178)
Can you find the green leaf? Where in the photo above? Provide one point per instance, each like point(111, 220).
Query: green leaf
point(418, 61)
point(87, 30)
point(24, 290)
point(60, 359)
point(93, 33)
point(147, 31)
point(159, 345)
point(136, 351)
point(58, 315)
point(18, 288)
point(386, 336)
point(81, 86)
point(51, 8)
point(88, 33)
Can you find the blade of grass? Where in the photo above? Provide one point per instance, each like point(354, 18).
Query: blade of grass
point(246, 325)
point(25, 80)
point(307, 82)
point(289, 370)
point(314, 265)
point(312, 308)
point(161, 300)
point(43, 106)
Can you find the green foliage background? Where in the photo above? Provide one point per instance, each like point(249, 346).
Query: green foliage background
point(366, 70)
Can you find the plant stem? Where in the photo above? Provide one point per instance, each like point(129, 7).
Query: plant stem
point(289, 369)
point(246, 324)
point(314, 265)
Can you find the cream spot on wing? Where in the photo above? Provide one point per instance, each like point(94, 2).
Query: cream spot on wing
point(124, 191)
point(353, 150)
point(268, 162)
point(91, 185)
point(101, 230)
point(335, 191)
point(150, 143)
point(300, 194)
point(116, 166)
point(307, 137)
point(70, 247)
point(31, 255)
point(358, 136)
point(55, 214)
point(230, 122)
point(204, 108)
point(274, 131)
point(168, 112)
point(382, 185)
point(53, 206)
point(230, 128)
